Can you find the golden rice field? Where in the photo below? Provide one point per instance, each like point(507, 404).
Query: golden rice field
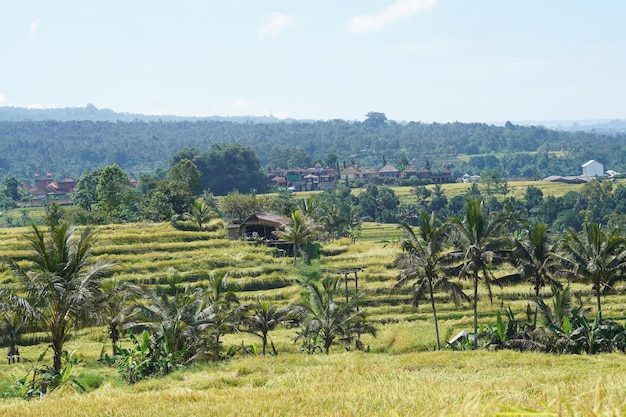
point(401, 375)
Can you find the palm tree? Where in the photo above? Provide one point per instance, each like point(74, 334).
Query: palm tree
point(298, 232)
point(177, 318)
point(118, 305)
point(59, 283)
point(262, 317)
point(199, 213)
point(219, 315)
point(596, 256)
point(478, 237)
point(12, 325)
point(534, 259)
point(421, 261)
point(325, 318)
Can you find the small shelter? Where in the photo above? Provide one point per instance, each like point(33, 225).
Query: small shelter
point(258, 225)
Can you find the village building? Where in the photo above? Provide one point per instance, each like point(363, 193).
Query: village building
point(389, 171)
point(590, 171)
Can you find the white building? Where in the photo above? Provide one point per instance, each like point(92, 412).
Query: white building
point(593, 168)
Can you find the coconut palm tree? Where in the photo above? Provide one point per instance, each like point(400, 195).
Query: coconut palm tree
point(200, 213)
point(12, 325)
point(59, 283)
point(177, 318)
point(298, 232)
point(118, 306)
point(261, 317)
point(595, 256)
point(421, 263)
point(221, 314)
point(326, 318)
point(534, 259)
point(478, 237)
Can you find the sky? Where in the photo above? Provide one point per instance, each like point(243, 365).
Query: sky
point(414, 60)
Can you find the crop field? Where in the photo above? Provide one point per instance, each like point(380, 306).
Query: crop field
point(400, 374)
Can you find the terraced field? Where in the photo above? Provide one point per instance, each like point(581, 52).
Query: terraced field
point(153, 254)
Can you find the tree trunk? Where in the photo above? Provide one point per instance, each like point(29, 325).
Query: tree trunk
point(432, 303)
point(598, 295)
point(475, 309)
point(295, 253)
point(264, 342)
point(56, 361)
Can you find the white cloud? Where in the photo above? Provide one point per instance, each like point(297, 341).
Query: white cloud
point(3, 99)
point(400, 9)
point(35, 106)
point(241, 103)
point(275, 25)
point(33, 27)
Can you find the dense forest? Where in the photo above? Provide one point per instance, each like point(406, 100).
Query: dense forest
point(70, 148)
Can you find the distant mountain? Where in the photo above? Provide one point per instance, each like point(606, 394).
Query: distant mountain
point(94, 114)
point(603, 126)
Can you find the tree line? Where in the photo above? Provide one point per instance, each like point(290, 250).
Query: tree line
point(73, 147)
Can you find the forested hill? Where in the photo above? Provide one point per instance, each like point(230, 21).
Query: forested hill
point(71, 147)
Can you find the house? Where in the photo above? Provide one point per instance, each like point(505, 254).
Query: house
point(388, 171)
point(408, 173)
point(368, 173)
point(47, 187)
point(349, 173)
point(260, 224)
point(442, 177)
point(593, 168)
point(299, 179)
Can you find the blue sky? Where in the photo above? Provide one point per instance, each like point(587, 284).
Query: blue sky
point(414, 60)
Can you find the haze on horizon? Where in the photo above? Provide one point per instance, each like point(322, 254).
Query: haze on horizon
point(426, 60)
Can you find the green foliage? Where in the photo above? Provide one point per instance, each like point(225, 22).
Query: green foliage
point(148, 357)
point(41, 379)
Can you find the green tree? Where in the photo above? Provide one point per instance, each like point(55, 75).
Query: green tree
point(118, 306)
point(478, 237)
point(324, 317)
point(200, 213)
point(10, 190)
point(421, 262)
point(59, 284)
point(178, 319)
point(85, 194)
point(595, 256)
point(112, 190)
point(298, 232)
point(261, 317)
point(238, 206)
point(186, 176)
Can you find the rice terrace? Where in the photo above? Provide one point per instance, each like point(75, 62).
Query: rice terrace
point(545, 355)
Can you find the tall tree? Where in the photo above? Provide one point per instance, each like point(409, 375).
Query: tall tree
point(595, 256)
point(422, 260)
point(59, 283)
point(186, 177)
point(478, 237)
point(85, 194)
point(112, 189)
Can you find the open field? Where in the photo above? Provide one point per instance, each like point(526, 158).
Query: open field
point(358, 384)
point(400, 376)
